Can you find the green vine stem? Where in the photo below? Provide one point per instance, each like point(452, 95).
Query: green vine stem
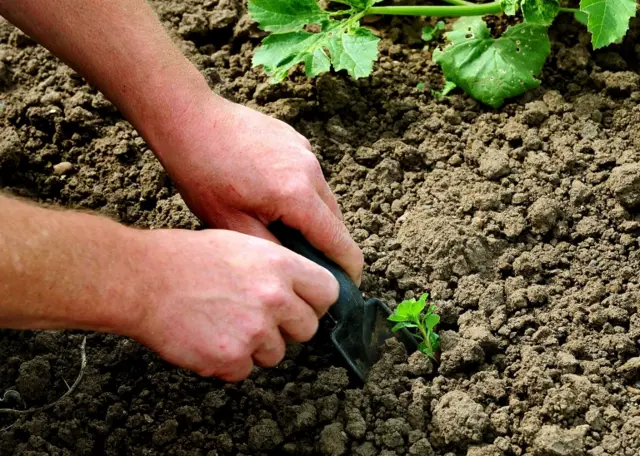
point(438, 11)
point(458, 2)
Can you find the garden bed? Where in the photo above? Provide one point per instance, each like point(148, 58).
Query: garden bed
point(523, 224)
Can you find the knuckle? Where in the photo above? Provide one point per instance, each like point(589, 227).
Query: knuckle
point(296, 188)
point(312, 165)
point(306, 143)
point(271, 295)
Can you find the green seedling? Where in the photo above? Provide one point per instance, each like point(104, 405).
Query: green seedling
point(446, 90)
point(430, 33)
point(411, 314)
point(490, 69)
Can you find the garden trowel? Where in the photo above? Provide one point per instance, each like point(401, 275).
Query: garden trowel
point(361, 327)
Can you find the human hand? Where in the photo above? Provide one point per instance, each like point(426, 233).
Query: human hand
point(240, 170)
point(220, 301)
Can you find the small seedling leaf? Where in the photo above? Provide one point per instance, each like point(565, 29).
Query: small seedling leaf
point(490, 69)
point(404, 324)
point(429, 32)
point(542, 12)
point(608, 20)
point(434, 339)
point(449, 86)
point(407, 309)
point(418, 306)
point(397, 317)
point(286, 15)
point(431, 321)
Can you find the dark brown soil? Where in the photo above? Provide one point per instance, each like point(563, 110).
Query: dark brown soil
point(522, 223)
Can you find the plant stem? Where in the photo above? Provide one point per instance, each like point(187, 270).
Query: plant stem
point(570, 10)
point(438, 11)
point(458, 2)
point(425, 339)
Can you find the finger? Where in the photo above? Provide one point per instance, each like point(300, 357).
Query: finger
point(327, 233)
point(244, 223)
point(315, 285)
point(230, 361)
point(271, 350)
point(329, 199)
point(237, 371)
point(300, 322)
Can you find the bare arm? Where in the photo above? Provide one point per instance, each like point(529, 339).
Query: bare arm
point(121, 48)
point(236, 168)
point(212, 301)
point(67, 270)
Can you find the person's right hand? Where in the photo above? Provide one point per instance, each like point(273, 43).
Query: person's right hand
point(218, 300)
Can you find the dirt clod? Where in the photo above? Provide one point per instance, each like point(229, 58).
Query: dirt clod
point(625, 184)
point(333, 440)
point(459, 420)
point(554, 441)
point(543, 215)
point(33, 381)
point(265, 435)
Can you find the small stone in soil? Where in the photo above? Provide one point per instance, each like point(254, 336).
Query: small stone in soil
point(62, 168)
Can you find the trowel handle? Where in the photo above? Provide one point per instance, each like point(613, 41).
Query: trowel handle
point(350, 298)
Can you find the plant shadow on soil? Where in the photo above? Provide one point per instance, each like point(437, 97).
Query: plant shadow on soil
point(521, 222)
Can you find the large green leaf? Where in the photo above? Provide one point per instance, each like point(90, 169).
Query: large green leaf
point(359, 4)
point(510, 7)
point(608, 20)
point(541, 12)
point(286, 15)
point(492, 70)
point(354, 52)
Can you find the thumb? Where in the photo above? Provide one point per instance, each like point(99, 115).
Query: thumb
point(326, 232)
point(245, 224)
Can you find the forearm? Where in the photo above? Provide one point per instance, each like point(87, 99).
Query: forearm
point(122, 49)
point(67, 270)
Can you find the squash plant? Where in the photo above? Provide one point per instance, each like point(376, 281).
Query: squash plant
point(490, 69)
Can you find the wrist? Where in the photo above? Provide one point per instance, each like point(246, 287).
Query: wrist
point(130, 286)
point(173, 100)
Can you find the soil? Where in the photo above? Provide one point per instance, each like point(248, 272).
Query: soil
point(522, 223)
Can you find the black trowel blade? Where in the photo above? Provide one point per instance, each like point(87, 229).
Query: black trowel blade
point(360, 336)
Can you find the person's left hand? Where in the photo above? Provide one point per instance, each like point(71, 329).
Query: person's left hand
point(240, 170)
